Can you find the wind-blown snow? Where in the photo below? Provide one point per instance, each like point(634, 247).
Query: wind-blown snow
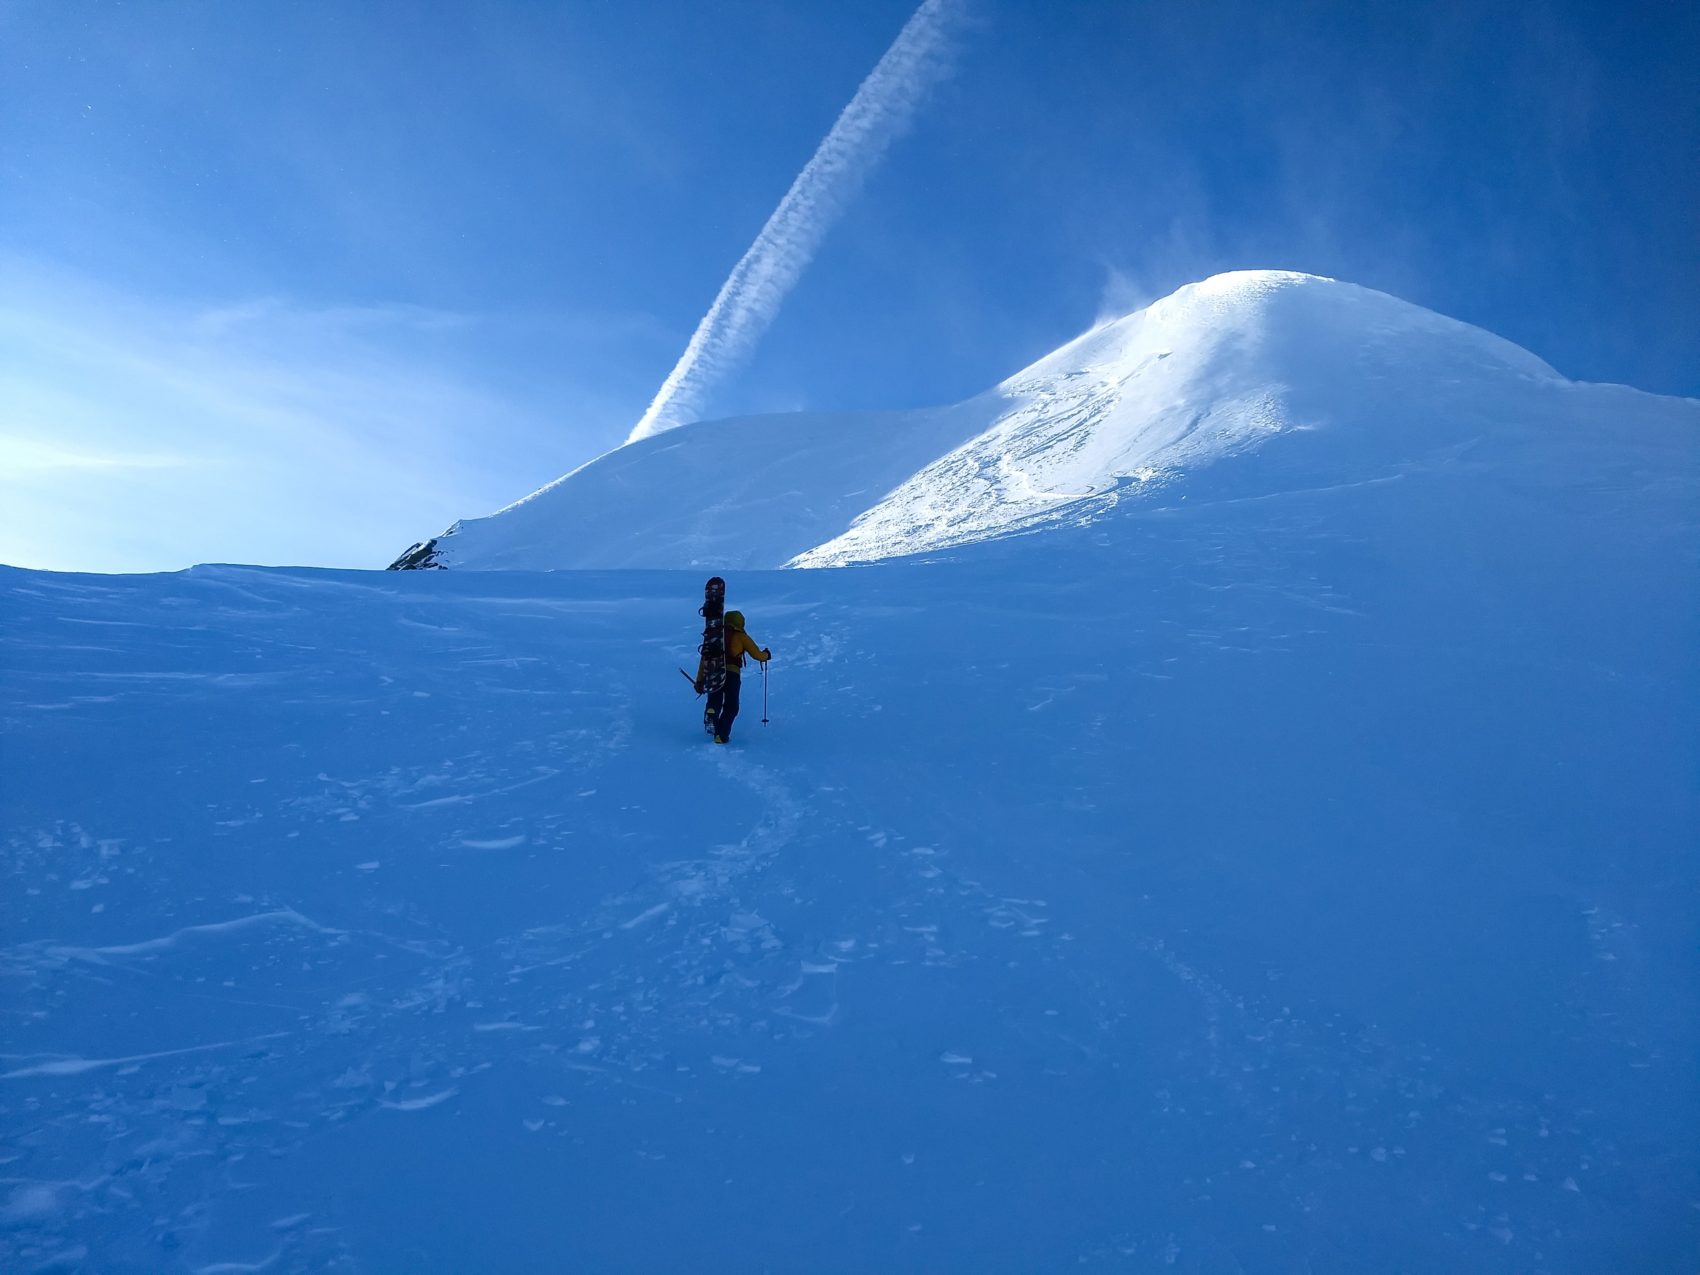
point(1213, 371)
point(753, 292)
point(1251, 383)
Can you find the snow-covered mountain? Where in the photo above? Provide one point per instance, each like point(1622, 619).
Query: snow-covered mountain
point(1284, 863)
point(1297, 380)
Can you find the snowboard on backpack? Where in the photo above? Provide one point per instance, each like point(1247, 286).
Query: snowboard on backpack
point(713, 648)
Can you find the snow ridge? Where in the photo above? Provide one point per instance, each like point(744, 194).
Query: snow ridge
point(1296, 379)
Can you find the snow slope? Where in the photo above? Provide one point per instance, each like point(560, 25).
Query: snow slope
point(1286, 864)
point(1300, 380)
point(1303, 883)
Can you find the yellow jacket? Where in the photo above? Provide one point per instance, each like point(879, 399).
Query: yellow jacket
point(738, 645)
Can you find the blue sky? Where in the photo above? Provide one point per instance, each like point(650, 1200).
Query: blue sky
point(302, 283)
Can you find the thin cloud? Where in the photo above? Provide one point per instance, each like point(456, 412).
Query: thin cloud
point(141, 434)
point(30, 455)
point(758, 284)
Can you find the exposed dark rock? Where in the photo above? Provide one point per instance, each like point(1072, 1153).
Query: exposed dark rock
point(419, 557)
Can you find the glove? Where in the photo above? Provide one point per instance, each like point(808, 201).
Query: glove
point(699, 687)
point(766, 655)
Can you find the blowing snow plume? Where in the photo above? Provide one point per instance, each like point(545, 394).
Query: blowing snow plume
point(752, 293)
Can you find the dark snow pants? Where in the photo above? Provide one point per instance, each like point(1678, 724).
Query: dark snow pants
point(723, 704)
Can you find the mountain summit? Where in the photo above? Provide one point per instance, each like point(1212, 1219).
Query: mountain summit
point(1299, 381)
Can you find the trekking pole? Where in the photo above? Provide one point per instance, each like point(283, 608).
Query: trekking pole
point(764, 665)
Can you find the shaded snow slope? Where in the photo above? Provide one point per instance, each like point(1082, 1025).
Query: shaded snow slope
point(743, 493)
point(1303, 883)
point(1299, 381)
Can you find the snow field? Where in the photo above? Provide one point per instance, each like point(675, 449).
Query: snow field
point(1239, 815)
point(1236, 886)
